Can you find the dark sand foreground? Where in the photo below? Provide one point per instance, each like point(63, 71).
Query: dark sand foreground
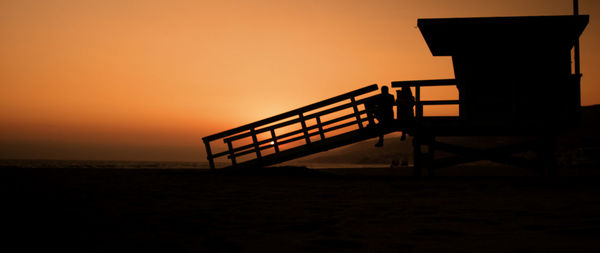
point(294, 209)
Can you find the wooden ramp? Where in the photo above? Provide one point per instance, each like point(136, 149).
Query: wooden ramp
point(318, 127)
point(315, 147)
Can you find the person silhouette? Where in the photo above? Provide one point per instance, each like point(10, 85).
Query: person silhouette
point(406, 102)
point(381, 107)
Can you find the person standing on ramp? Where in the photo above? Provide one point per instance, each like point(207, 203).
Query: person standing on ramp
point(381, 107)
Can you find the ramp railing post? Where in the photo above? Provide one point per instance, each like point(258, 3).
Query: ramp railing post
point(320, 126)
point(274, 138)
point(303, 123)
point(419, 105)
point(231, 153)
point(355, 107)
point(255, 142)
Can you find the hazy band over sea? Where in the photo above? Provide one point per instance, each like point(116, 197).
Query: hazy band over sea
point(97, 164)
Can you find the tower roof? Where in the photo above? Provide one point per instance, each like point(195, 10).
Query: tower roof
point(452, 36)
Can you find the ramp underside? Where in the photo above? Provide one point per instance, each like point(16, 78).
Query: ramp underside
point(314, 147)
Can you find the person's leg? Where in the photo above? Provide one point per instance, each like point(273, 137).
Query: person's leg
point(384, 122)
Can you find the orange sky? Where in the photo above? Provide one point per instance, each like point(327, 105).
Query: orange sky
point(146, 79)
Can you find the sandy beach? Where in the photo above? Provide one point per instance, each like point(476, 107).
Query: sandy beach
point(293, 209)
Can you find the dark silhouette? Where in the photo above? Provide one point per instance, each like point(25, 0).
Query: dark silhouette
point(513, 76)
point(316, 134)
point(381, 107)
point(405, 102)
point(537, 95)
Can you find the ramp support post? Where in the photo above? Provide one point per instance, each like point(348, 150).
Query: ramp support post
point(417, 156)
point(422, 159)
point(209, 157)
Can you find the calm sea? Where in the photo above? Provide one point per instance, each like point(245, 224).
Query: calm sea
point(153, 164)
point(102, 164)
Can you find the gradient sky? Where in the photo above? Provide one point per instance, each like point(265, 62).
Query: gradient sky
point(146, 79)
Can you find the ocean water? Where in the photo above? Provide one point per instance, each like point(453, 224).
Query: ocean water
point(157, 164)
point(102, 164)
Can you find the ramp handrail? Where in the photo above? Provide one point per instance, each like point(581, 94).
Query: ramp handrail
point(423, 83)
point(262, 126)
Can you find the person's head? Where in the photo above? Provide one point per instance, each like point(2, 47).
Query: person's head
point(406, 90)
point(385, 90)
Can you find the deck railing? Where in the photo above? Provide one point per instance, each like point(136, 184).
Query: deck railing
point(301, 115)
point(424, 83)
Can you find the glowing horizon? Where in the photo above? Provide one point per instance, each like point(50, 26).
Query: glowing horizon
point(163, 74)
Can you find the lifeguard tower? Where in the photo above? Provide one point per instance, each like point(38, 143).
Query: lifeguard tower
point(514, 75)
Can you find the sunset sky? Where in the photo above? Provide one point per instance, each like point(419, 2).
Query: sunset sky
point(147, 79)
